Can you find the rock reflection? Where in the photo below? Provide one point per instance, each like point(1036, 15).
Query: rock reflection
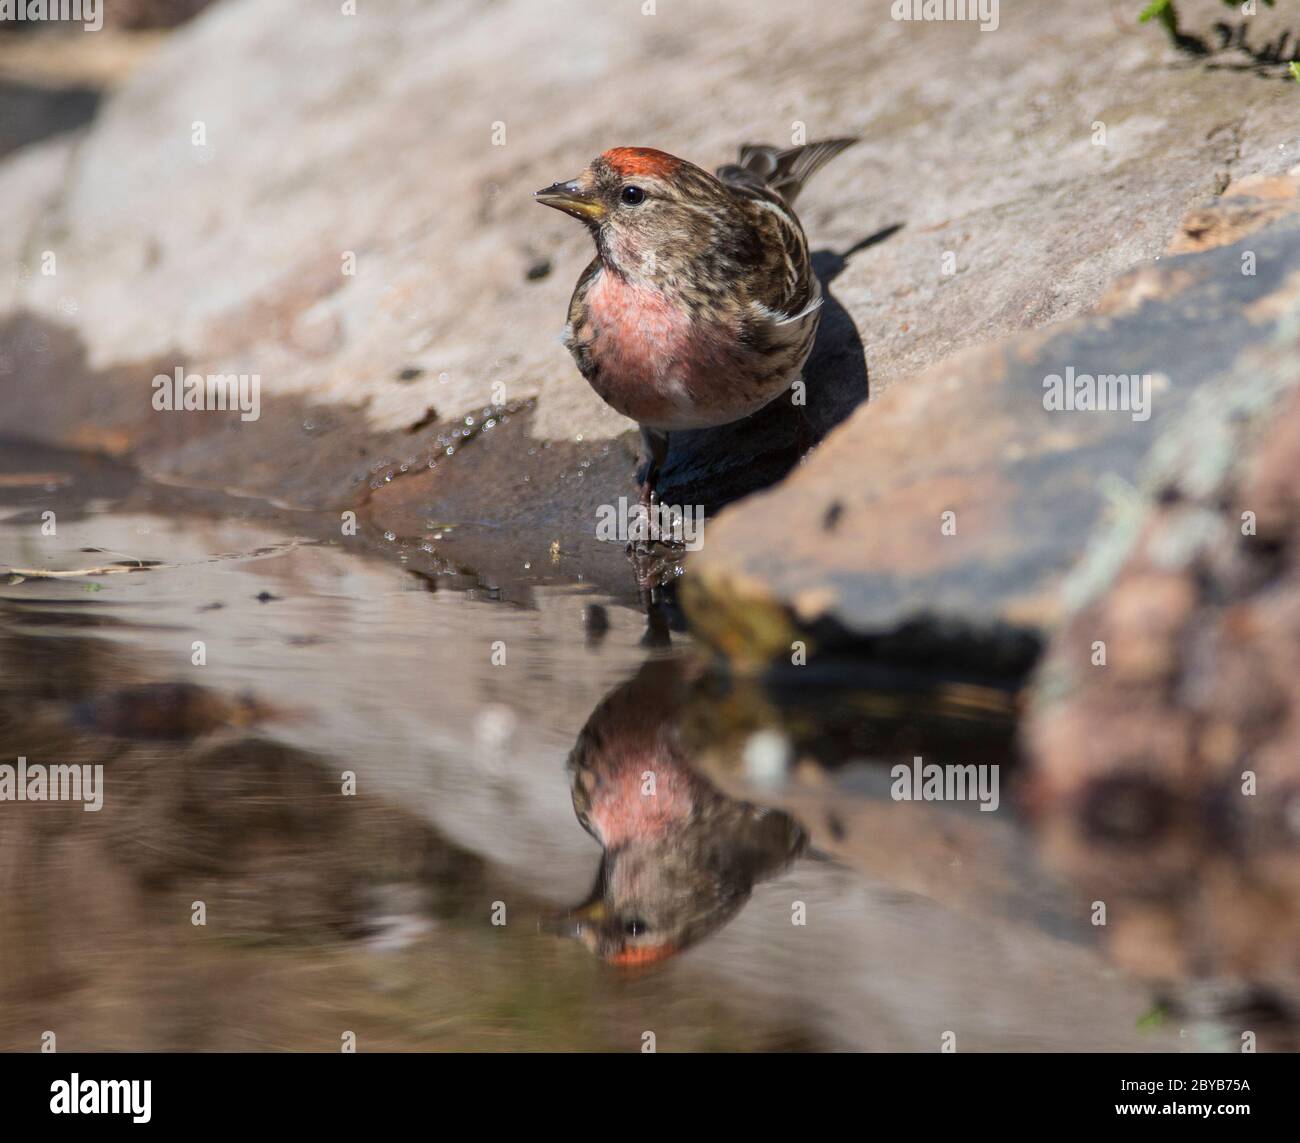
point(680, 857)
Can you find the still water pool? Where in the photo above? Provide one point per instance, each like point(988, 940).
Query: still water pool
point(349, 790)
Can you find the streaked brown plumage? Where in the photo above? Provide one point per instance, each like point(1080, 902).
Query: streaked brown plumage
point(700, 306)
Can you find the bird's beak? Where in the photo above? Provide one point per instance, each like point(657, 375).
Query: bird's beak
point(572, 199)
point(576, 922)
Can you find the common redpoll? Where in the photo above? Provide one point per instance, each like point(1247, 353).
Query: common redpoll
point(701, 305)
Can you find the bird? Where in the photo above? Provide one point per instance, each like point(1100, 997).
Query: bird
point(701, 305)
point(679, 857)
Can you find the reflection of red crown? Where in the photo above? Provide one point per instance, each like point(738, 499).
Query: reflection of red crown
point(642, 954)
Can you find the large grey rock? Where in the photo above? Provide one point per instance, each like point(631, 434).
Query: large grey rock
point(960, 502)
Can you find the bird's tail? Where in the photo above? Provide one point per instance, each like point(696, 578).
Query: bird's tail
point(787, 171)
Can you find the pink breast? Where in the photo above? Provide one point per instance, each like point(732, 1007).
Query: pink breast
point(654, 358)
point(624, 808)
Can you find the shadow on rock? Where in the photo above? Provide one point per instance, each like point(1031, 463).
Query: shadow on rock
point(30, 113)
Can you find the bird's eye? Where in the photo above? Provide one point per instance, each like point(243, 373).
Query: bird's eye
point(632, 195)
point(634, 927)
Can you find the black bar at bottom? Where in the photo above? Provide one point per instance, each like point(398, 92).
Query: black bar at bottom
point(365, 1090)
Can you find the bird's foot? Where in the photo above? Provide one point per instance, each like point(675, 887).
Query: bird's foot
point(655, 562)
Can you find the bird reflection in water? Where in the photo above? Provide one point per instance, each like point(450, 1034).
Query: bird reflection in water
point(680, 857)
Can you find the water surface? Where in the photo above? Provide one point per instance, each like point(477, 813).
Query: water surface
point(357, 763)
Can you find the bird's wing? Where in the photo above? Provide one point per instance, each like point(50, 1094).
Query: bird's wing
point(782, 298)
point(781, 287)
point(783, 291)
point(784, 338)
point(783, 171)
point(578, 331)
